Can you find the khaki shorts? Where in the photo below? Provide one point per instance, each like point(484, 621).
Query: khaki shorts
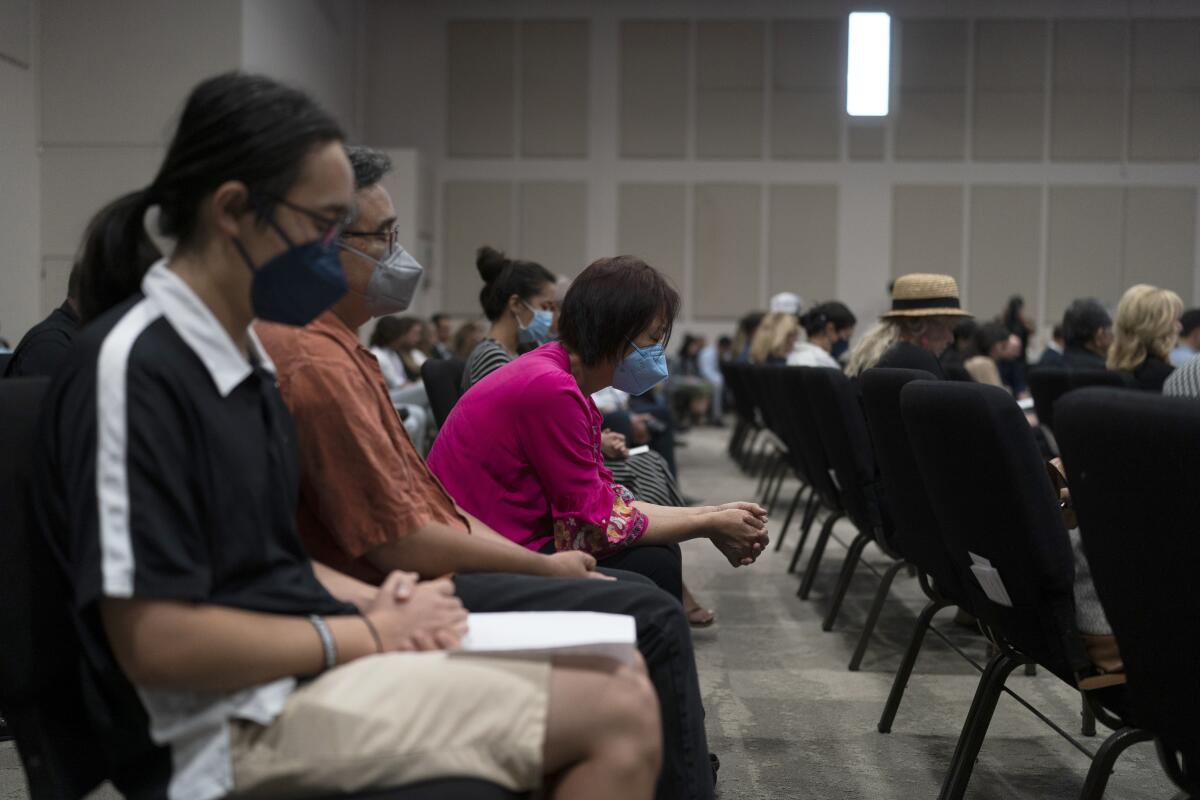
point(400, 718)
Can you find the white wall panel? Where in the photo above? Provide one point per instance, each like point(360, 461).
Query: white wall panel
point(1005, 247)
point(1088, 104)
point(1084, 258)
point(729, 88)
point(553, 225)
point(727, 249)
point(1160, 238)
point(474, 213)
point(802, 241)
point(1010, 87)
point(654, 88)
point(927, 229)
point(118, 72)
point(554, 88)
point(931, 109)
point(480, 87)
point(652, 224)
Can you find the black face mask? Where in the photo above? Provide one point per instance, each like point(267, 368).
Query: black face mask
point(297, 285)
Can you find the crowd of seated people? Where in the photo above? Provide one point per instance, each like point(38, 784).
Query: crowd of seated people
point(257, 546)
point(254, 545)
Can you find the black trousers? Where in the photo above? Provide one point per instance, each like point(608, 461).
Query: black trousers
point(664, 639)
point(661, 563)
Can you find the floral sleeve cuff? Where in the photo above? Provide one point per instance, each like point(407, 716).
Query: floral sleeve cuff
point(626, 525)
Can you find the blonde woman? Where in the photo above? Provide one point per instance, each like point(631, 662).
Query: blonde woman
point(920, 325)
point(1146, 328)
point(775, 338)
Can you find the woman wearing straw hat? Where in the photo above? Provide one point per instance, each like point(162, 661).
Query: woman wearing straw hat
point(918, 328)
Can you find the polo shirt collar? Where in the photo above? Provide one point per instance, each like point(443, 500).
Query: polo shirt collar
point(199, 328)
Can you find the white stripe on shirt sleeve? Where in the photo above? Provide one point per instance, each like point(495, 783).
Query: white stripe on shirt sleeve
point(112, 480)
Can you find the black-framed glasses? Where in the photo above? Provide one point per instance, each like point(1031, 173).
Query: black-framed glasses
point(391, 236)
point(331, 227)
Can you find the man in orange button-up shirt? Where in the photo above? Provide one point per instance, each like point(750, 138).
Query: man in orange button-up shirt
point(368, 505)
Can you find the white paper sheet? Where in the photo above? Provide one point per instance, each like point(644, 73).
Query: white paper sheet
point(581, 633)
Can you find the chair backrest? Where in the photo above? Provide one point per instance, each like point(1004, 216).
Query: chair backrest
point(743, 405)
point(804, 435)
point(1048, 384)
point(843, 431)
point(443, 385)
point(757, 377)
point(994, 501)
point(1132, 460)
point(40, 692)
point(917, 536)
point(4, 359)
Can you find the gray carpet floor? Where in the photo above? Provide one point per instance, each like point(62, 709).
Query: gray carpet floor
point(789, 721)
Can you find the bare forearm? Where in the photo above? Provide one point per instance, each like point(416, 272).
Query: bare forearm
point(484, 531)
point(171, 645)
point(436, 550)
point(343, 587)
point(666, 527)
point(674, 511)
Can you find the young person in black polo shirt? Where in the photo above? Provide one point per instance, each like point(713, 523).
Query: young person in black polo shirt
point(167, 487)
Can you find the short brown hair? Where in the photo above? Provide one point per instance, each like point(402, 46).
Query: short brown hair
point(611, 303)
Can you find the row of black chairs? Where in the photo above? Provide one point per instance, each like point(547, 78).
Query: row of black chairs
point(944, 477)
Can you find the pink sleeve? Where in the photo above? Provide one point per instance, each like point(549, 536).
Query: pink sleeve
point(625, 526)
point(562, 446)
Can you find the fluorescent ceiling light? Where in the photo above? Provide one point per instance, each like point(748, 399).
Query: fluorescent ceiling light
point(868, 64)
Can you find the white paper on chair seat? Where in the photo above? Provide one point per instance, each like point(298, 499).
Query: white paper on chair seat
point(581, 633)
point(989, 580)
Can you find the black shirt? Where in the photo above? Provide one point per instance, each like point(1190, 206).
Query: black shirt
point(906, 355)
point(44, 347)
point(1081, 358)
point(1151, 374)
point(169, 471)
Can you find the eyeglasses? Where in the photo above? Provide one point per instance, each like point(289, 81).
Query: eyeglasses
point(391, 236)
point(331, 227)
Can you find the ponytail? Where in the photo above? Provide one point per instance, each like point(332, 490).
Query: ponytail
point(117, 251)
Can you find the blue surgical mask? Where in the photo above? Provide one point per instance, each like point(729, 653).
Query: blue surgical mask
point(641, 370)
point(839, 349)
point(296, 286)
point(538, 329)
point(392, 284)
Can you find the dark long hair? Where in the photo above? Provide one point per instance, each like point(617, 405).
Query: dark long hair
point(234, 126)
point(503, 277)
point(611, 303)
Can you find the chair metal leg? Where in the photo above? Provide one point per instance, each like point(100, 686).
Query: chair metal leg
point(853, 553)
point(788, 520)
point(814, 561)
point(748, 444)
point(765, 464)
point(900, 682)
point(881, 594)
point(782, 478)
point(810, 516)
point(1088, 728)
point(1102, 764)
point(970, 740)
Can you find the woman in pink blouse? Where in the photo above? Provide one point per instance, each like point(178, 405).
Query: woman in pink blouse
point(521, 450)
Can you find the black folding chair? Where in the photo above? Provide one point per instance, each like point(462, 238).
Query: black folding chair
point(64, 755)
point(843, 430)
point(804, 435)
point(1048, 384)
point(775, 397)
point(1000, 521)
point(1132, 459)
point(443, 385)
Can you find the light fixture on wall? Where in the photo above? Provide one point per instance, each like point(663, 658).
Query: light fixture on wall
point(868, 64)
